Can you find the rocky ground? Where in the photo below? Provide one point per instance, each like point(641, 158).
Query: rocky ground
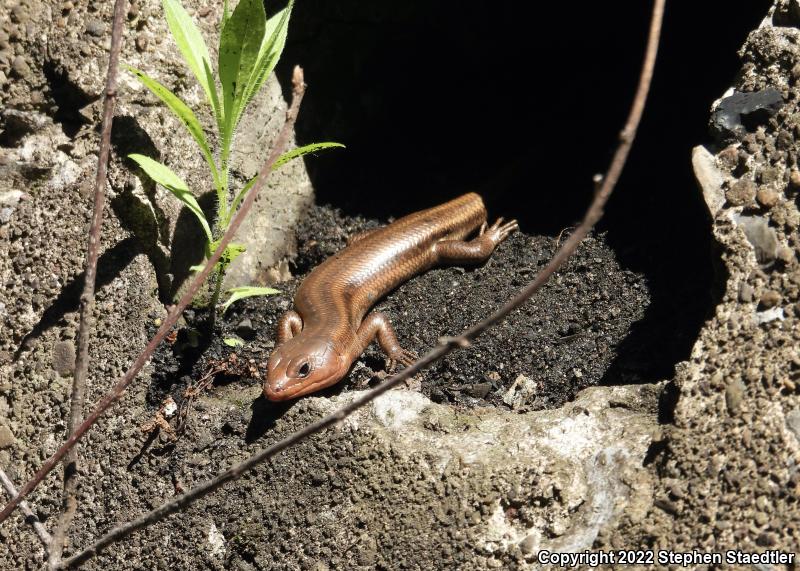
point(540, 437)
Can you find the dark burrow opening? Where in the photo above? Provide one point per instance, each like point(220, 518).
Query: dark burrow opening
point(524, 106)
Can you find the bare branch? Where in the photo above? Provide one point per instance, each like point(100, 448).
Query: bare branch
point(445, 346)
point(38, 527)
point(175, 311)
point(78, 397)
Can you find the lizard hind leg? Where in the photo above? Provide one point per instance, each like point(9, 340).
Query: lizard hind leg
point(479, 248)
point(289, 325)
point(377, 326)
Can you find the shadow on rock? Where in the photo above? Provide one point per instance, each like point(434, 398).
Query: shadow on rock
point(109, 265)
point(265, 415)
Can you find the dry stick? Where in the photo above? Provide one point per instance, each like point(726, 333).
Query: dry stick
point(38, 527)
point(176, 310)
point(444, 347)
point(78, 398)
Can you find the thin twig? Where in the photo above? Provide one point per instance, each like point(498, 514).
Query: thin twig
point(444, 347)
point(38, 527)
point(78, 398)
point(175, 311)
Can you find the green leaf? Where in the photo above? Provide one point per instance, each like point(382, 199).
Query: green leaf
point(226, 13)
point(182, 112)
point(242, 193)
point(233, 251)
point(304, 150)
point(164, 176)
point(193, 47)
point(239, 44)
point(269, 53)
point(233, 342)
point(242, 292)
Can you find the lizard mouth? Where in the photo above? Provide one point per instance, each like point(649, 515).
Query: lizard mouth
point(287, 389)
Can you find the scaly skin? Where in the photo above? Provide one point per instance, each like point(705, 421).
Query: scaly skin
point(319, 341)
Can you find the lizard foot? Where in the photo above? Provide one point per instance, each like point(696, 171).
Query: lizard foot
point(401, 356)
point(499, 231)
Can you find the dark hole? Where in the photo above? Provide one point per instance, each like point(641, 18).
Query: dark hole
point(434, 99)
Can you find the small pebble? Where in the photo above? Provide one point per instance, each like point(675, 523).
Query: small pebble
point(742, 192)
point(95, 28)
point(141, 43)
point(6, 437)
point(728, 158)
point(794, 179)
point(767, 197)
point(770, 299)
point(746, 293)
point(784, 140)
point(479, 390)
point(64, 357)
point(734, 395)
point(785, 254)
point(21, 67)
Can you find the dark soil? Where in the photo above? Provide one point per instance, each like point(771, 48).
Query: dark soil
point(563, 340)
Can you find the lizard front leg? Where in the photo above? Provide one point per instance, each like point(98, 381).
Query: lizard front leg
point(476, 250)
point(376, 326)
point(289, 325)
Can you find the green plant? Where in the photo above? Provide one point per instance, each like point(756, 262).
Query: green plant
point(249, 48)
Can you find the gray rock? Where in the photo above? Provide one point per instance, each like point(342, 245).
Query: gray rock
point(761, 236)
point(740, 112)
point(518, 393)
point(589, 452)
point(64, 358)
point(709, 178)
point(268, 231)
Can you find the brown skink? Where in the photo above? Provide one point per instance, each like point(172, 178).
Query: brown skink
point(328, 330)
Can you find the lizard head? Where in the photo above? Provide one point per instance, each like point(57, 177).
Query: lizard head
point(303, 365)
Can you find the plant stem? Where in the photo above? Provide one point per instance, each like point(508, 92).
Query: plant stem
point(40, 530)
point(219, 276)
point(78, 396)
point(116, 392)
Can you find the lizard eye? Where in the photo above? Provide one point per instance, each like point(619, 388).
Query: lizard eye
point(303, 371)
